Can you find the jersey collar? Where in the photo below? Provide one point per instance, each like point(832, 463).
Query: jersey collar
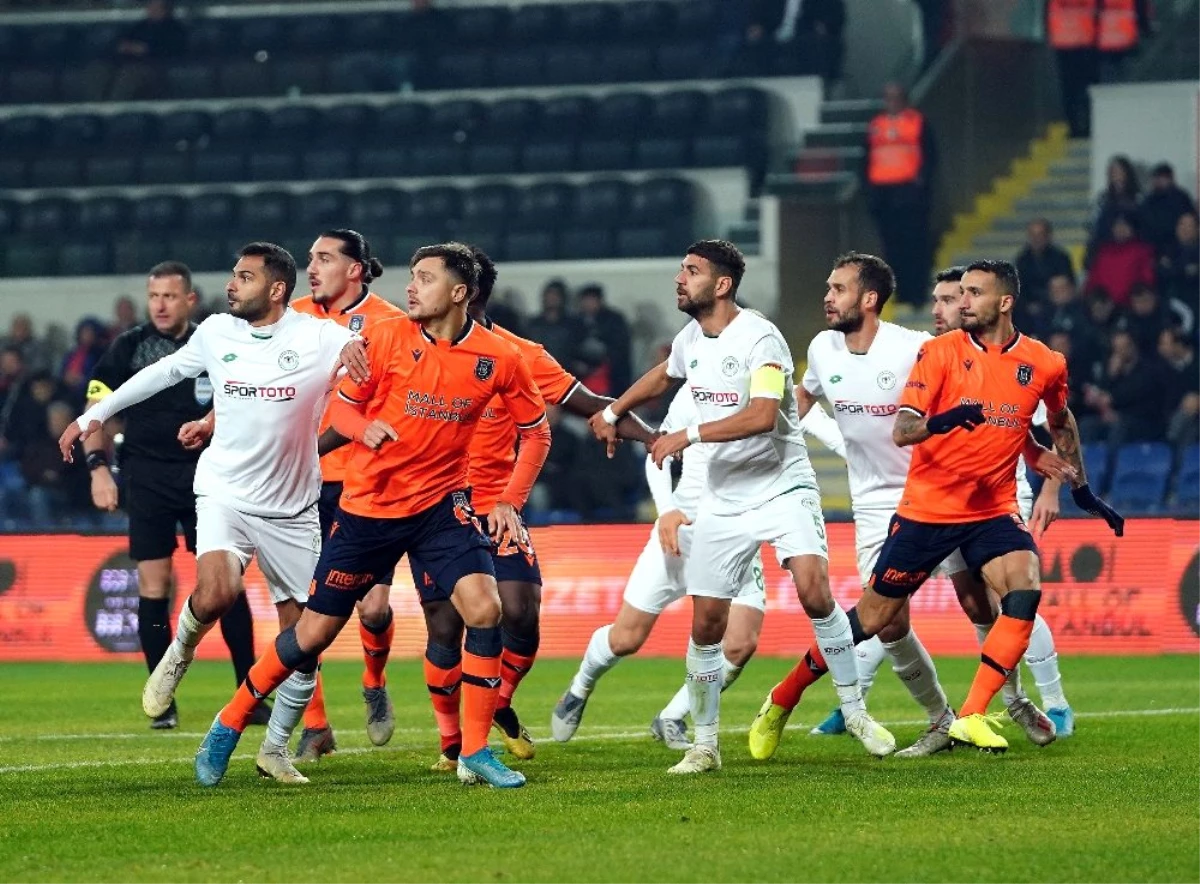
point(458, 339)
point(1004, 348)
point(362, 299)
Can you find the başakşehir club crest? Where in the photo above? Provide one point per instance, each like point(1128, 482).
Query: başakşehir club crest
point(484, 367)
point(356, 323)
point(1024, 374)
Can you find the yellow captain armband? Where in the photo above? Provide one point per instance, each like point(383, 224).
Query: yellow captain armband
point(97, 390)
point(767, 382)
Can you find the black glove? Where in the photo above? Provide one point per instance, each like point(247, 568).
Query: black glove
point(966, 416)
point(1090, 503)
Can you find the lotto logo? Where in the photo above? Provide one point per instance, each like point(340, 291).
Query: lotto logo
point(243, 390)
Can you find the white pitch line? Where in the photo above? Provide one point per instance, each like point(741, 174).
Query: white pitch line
point(588, 737)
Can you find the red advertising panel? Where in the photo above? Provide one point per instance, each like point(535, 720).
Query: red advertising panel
point(65, 597)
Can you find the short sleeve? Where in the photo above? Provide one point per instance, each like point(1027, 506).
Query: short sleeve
point(521, 396)
point(113, 369)
point(811, 382)
point(677, 361)
point(379, 345)
point(1056, 392)
point(924, 381)
point(555, 382)
point(769, 352)
point(332, 339)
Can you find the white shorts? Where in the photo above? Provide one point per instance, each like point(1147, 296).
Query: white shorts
point(287, 548)
point(659, 578)
point(870, 531)
point(956, 564)
point(723, 546)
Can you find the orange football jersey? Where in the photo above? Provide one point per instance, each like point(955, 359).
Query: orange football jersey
point(433, 393)
point(970, 476)
point(359, 317)
point(494, 446)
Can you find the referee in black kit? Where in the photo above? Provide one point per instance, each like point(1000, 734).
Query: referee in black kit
point(159, 471)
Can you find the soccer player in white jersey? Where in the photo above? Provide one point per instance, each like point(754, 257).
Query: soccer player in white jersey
point(761, 486)
point(257, 483)
point(860, 364)
point(657, 580)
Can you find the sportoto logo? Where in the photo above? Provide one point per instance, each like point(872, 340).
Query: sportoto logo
point(242, 391)
point(723, 398)
point(842, 406)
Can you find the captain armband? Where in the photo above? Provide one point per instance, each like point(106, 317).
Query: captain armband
point(767, 381)
point(97, 390)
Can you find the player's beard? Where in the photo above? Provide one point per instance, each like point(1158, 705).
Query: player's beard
point(980, 322)
point(696, 306)
point(252, 310)
point(848, 322)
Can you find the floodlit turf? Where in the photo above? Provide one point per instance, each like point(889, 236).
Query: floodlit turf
point(87, 792)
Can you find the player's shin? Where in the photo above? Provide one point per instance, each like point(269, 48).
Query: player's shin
point(680, 705)
point(291, 699)
point(154, 629)
point(913, 665)
point(1042, 660)
point(190, 630)
point(1012, 689)
point(836, 638)
point(704, 678)
point(516, 659)
point(237, 628)
point(869, 656)
point(597, 660)
point(810, 668)
point(443, 677)
point(480, 685)
point(282, 658)
point(377, 645)
point(314, 714)
point(1002, 651)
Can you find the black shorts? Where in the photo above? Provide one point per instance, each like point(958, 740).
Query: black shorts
point(913, 549)
point(514, 562)
point(445, 539)
point(327, 506)
point(159, 500)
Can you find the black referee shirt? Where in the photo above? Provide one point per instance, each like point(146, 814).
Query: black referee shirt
point(152, 426)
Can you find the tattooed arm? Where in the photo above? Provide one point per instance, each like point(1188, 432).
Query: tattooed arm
point(1065, 434)
point(909, 428)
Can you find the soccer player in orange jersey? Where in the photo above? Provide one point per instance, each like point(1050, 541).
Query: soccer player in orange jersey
point(493, 454)
point(432, 374)
point(985, 379)
point(341, 269)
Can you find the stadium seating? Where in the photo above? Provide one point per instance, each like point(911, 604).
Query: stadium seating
point(623, 130)
point(1139, 481)
point(1186, 499)
point(543, 44)
point(602, 218)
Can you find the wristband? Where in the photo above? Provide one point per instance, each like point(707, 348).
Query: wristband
point(96, 459)
point(693, 434)
point(610, 416)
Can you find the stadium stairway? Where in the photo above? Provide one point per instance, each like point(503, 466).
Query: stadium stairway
point(1051, 181)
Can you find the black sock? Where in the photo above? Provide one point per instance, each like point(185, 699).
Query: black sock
point(237, 628)
point(154, 629)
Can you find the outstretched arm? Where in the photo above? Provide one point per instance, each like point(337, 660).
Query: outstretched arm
point(1065, 433)
point(584, 403)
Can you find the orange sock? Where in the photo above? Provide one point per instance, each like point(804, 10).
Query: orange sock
point(513, 668)
point(376, 647)
point(480, 692)
point(265, 675)
point(808, 670)
point(314, 715)
point(1001, 653)
point(444, 690)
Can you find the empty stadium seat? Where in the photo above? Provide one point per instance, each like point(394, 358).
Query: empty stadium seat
point(430, 210)
point(273, 165)
point(32, 86)
point(297, 123)
point(200, 253)
point(322, 208)
point(588, 22)
point(191, 80)
point(13, 172)
point(350, 119)
point(604, 154)
point(183, 127)
point(56, 171)
point(134, 130)
point(548, 155)
point(111, 171)
point(10, 212)
point(84, 258)
point(737, 111)
point(516, 67)
point(662, 152)
point(373, 30)
point(544, 206)
point(530, 245)
point(511, 119)
point(207, 213)
point(328, 163)
point(481, 25)
point(402, 120)
point(533, 23)
point(572, 64)
point(167, 166)
point(161, 212)
point(627, 64)
point(78, 132)
point(1139, 481)
point(491, 158)
point(382, 162)
point(266, 213)
point(216, 166)
point(488, 205)
point(376, 209)
point(237, 126)
point(236, 79)
point(622, 113)
point(443, 158)
point(646, 20)
point(682, 60)
point(24, 134)
point(602, 203)
point(1185, 501)
point(590, 243)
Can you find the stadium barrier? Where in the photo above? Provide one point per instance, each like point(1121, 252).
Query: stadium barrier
point(72, 598)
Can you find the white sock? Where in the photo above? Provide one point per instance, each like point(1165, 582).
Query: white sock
point(597, 660)
point(291, 699)
point(190, 631)
point(912, 663)
point(681, 705)
point(836, 642)
point(868, 657)
point(1042, 661)
point(1012, 690)
point(704, 676)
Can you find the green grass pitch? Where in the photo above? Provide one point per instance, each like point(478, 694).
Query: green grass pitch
point(89, 793)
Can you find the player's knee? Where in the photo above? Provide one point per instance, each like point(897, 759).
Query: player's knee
point(480, 610)
point(1021, 604)
point(443, 623)
point(375, 610)
point(519, 614)
point(893, 632)
point(625, 640)
point(740, 648)
point(292, 653)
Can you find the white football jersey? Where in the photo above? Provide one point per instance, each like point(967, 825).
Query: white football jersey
point(693, 478)
point(1024, 489)
point(864, 389)
point(270, 387)
point(747, 473)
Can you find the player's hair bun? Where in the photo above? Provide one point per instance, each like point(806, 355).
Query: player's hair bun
point(375, 268)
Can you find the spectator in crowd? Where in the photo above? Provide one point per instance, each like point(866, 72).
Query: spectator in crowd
point(54, 488)
point(1120, 196)
point(801, 37)
point(77, 365)
point(1182, 386)
point(1064, 311)
point(19, 413)
point(598, 320)
point(21, 337)
point(1080, 372)
point(124, 316)
point(144, 49)
point(553, 490)
point(1162, 207)
point(553, 328)
point(1128, 401)
point(501, 311)
point(1145, 319)
point(1040, 260)
point(901, 158)
point(1179, 273)
point(1182, 382)
point(1123, 262)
